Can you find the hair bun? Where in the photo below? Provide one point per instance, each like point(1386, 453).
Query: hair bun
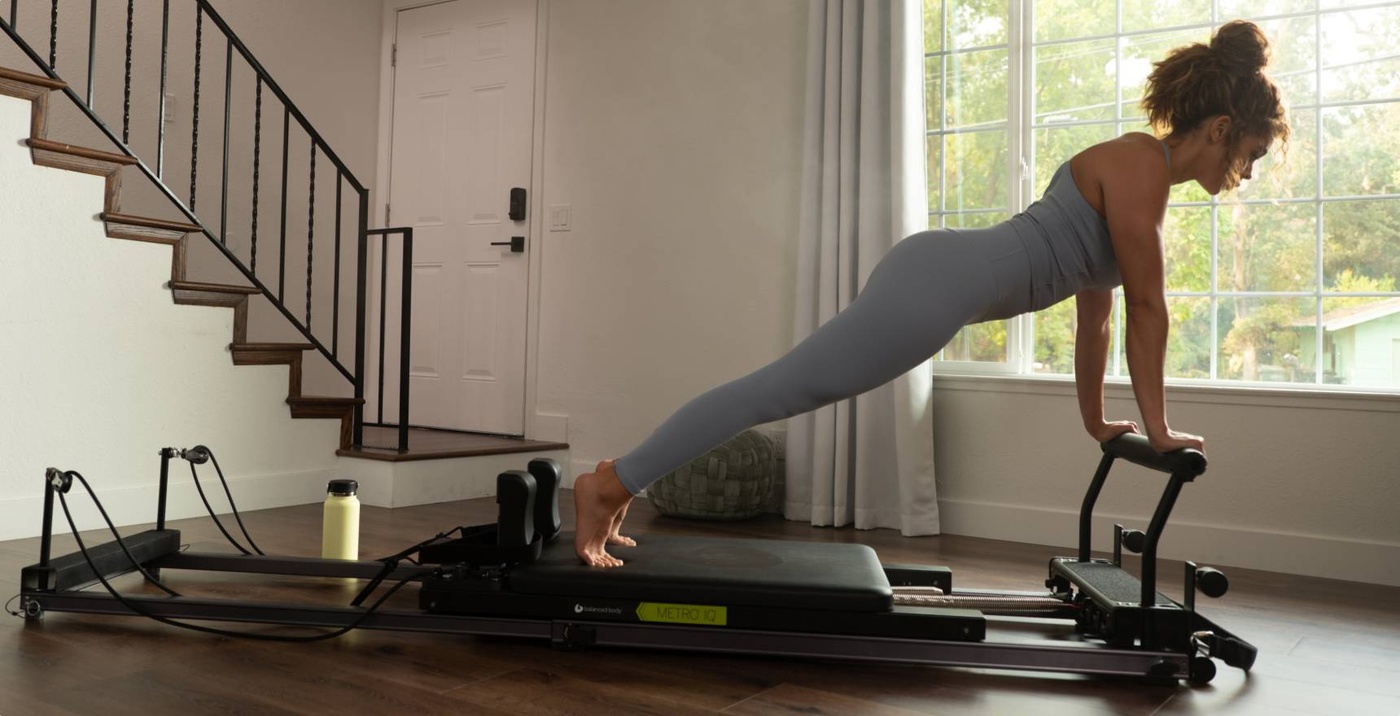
point(1240, 46)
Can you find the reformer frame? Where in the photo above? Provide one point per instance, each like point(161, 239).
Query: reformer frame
point(1144, 634)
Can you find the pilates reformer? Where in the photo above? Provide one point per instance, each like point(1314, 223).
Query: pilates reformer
point(519, 577)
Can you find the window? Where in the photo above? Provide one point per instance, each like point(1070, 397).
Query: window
point(1292, 279)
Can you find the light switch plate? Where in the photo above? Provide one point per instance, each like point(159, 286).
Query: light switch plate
point(561, 217)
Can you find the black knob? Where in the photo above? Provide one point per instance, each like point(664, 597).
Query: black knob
point(1134, 540)
point(58, 480)
point(1212, 582)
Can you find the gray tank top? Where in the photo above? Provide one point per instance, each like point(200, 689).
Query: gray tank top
point(1067, 243)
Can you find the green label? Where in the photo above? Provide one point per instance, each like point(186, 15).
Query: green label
point(682, 613)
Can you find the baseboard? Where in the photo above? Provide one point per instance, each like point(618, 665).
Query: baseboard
point(422, 482)
point(551, 428)
point(1285, 552)
point(23, 517)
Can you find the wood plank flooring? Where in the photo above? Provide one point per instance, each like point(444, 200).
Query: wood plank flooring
point(1326, 647)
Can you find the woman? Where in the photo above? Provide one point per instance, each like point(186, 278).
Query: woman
point(1098, 225)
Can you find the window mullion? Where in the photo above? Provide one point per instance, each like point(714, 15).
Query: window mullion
point(1118, 311)
point(1019, 329)
point(1318, 342)
point(943, 118)
point(1214, 359)
point(1214, 293)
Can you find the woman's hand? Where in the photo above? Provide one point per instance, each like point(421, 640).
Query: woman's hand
point(1173, 440)
point(1105, 431)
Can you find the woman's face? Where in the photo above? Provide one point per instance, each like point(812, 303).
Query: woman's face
point(1237, 164)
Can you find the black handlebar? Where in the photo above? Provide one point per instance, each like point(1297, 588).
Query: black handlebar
point(1135, 448)
point(1183, 465)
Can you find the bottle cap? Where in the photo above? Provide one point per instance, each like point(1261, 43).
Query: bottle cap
point(342, 487)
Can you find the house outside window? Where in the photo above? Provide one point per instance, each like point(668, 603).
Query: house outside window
point(1290, 280)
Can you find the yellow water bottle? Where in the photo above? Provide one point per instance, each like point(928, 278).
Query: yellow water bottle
point(340, 524)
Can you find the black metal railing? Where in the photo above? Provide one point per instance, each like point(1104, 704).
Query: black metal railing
point(405, 326)
point(238, 174)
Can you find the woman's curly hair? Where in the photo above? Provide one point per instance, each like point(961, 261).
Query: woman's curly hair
point(1197, 82)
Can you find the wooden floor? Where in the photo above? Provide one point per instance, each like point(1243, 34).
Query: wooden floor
point(1326, 647)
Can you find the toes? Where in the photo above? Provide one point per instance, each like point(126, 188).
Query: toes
point(602, 559)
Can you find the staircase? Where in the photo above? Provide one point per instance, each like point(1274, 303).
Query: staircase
point(48, 153)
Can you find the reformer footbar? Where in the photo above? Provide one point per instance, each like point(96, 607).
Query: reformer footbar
point(520, 577)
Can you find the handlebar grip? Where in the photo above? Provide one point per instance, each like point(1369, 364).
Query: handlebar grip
point(1135, 448)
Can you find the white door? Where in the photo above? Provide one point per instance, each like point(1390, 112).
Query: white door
point(463, 122)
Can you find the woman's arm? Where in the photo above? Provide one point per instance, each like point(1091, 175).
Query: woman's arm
point(1136, 203)
point(1091, 343)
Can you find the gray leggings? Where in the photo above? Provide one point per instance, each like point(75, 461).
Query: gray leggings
point(925, 289)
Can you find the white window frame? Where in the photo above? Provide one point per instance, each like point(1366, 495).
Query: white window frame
point(1020, 331)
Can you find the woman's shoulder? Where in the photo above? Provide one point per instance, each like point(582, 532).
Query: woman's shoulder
point(1130, 147)
point(1115, 162)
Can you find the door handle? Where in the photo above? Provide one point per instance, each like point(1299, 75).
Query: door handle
point(516, 244)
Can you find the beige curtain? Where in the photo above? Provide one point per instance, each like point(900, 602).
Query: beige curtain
point(868, 460)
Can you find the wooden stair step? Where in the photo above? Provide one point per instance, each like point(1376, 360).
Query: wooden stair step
point(272, 346)
point(36, 89)
point(79, 159)
point(316, 406)
point(26, 86)
point(194, 293)
point(268, 353)
point(142, 228)
point(426, 444)
point(313, 406)
point(288, 354)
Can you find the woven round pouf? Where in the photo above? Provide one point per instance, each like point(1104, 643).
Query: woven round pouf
point(730, 482)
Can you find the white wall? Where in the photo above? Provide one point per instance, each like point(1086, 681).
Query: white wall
point(1296, 483)
point(101, 368)
point(674, 130)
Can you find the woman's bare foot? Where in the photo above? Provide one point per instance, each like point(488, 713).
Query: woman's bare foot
point(619, 539)
point(600, 500)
